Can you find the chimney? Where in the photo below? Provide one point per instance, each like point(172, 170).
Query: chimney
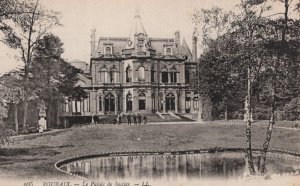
point(194, 49)
point(93, 43)
point(177, 39)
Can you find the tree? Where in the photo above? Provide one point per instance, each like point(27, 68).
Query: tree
point(221, 77)
point(282, 42)
point(241, 29)
point(12, 93)
point(52, 77)
point(23, 31)
point(268, 60)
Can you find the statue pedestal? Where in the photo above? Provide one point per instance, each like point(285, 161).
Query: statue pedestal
point(199, 119)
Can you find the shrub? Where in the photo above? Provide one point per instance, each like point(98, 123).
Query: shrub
point(5, 135)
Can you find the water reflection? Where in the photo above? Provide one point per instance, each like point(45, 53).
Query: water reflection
point(208, 165)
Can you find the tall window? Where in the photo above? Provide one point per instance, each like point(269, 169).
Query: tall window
point(141, 74)
point(103, 75)
point(152, 74)
point(128, 74)
point(142, 101)
point(109, 103)
point(164, 76)
point(187, 76)
point(173, 76)
point(170, 102)
point(129, 102)
point(100, 103)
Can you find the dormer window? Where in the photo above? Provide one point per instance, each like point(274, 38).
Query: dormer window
point(169, 51)
point(108, 50)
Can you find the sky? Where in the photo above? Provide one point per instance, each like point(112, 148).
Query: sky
point(161, 18)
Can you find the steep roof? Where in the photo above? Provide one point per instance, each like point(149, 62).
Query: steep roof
point(138, 44)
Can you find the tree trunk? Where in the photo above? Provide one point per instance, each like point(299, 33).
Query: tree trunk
point(25, 105)
point(269, 130)
point(26, 93)
point(248, 129)
point(16, 118)
point(226, 113)
point(49, 111)
point(57, 114)
point(286, 18)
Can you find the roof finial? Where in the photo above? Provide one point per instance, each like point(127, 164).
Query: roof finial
point(137, 13)
point(137, 9)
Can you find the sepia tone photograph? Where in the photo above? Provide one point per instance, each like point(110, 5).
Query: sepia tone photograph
point(149, 93)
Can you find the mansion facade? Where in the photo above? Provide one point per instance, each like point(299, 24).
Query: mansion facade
point(138, 74)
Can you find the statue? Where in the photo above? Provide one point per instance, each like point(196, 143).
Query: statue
point(42, 125)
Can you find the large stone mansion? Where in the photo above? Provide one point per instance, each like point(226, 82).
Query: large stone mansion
point(138, 74)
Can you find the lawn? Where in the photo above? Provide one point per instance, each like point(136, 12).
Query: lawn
point(34, 156)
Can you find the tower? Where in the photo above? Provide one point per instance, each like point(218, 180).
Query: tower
point(93, 43)
point(194, 49)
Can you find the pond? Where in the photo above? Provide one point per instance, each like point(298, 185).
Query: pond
point(218, 165)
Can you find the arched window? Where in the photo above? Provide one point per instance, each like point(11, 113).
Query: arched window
point(164, 76)
point(168, 51)
point(103, 75)
point(113, 75)
point(109, 103)
point(108, 50)
point(173, 76)
point(128, 102)
point(142, 101)
point(141, 74)
point(128, 74)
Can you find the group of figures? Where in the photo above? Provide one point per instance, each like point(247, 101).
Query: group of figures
point(131, 119)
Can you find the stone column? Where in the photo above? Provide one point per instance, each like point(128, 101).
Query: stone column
point(164, 103)
point(124, 102)
point(176, 103)
point(116, 104)
point(182, 102)
point(103, 104)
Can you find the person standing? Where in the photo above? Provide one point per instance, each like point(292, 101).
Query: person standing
point(116, 120)
point(140, 118)
point(128, 119)
point(145, 120)
point(134, 118)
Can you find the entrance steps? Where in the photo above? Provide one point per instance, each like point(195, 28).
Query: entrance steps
point(151, 118)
